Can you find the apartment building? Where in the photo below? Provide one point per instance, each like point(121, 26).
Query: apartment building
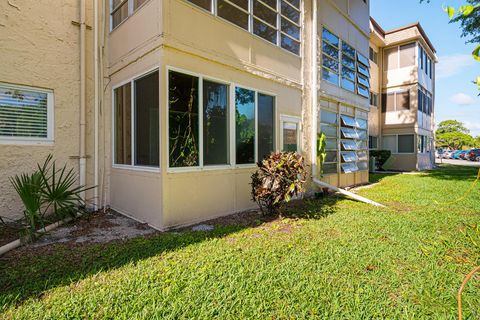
point(403, 96)
point(167, 105)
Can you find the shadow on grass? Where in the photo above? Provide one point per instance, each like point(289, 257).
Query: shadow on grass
point(28, 272)
point(454, 173)
point(377, 177)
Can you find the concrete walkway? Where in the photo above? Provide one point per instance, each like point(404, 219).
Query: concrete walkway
point(458, 162)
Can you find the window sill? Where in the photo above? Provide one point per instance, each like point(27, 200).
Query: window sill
point(136, 168)
point(21, 142)
point(209, 168)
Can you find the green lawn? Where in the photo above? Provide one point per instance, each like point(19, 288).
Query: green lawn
point(338, 260)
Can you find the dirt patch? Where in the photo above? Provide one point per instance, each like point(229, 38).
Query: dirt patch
point(99, 227)
point(8, 234)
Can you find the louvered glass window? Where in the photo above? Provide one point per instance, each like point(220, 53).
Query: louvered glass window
point(26, 114)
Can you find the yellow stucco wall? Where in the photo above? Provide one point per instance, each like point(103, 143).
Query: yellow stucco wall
point(39, 47)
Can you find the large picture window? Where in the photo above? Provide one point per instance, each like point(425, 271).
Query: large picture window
point(26, 114)
point(276, 21)
point(199, 133)
point(215, 123)
point(402, 143)
point(183, 120)
point(136, 122)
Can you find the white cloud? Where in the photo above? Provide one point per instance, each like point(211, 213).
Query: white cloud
point(451, 65)
point(462, 99)
point(473, 127)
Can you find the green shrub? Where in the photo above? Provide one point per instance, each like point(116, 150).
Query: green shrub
point(381, 156)
point(48, 191)
point(279, 177)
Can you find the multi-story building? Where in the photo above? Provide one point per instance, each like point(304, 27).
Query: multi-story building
point(402, 95)
point(167, 105)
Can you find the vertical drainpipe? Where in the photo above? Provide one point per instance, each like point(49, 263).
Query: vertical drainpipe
point(82, 154)
point(314, 90)
point(96, 102)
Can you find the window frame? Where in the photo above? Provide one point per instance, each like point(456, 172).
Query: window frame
point(131, 12)
point(291, 119)
point(50, 139)
point(252, 17)
point(396, 143)
point(132, 166)
point(231, 122)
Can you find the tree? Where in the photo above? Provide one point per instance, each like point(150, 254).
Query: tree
point(452, 126)
point(456, 140)
point(469, 17)
point(477, 142)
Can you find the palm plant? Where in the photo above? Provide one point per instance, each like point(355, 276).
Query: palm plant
point(48, 191)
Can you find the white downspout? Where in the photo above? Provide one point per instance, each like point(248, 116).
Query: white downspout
point(96, 103)
point(82, 154)
point(314, 89)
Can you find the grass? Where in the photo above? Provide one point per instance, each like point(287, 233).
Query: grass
point(338, 259)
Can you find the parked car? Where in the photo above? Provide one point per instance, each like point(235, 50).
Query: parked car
point(473, 155)
point(448, 154)
point(463, 154)
point(456, 154)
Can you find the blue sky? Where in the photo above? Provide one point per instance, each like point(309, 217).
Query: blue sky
point(456, 96)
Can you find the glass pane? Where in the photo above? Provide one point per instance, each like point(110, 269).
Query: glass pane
point(391, 58)
point(295, 3)
point(331, 144)
point(330, 76)
point(403, 101)
point(330, 50)
point(362, 145)
point(348, 121)
point(390, 143)
point(350, 133)
point(406, 143)
point(183, 120)
point(266, 120)
point(362, 59)
point(271, 3)
point(290, 137)
point(245, 125)
point(348, 62)
point(205, 4)
point(290, 12)
point(147, 121)
point(348, 85)
point(363, 91)
point(23, 113)
point(363, 81)
point(215, 123)
point(349, 74)
point(362, 155)
point(241, 3)
point(123, 125)
point(349, 156)
point(138, 3)
point(290, 29)
point(332, 156)
point(349, 145)
point(362, 134)
point(349, 167)
point(329, 168)
point(232, 14)
point(407, 55)
point(263, 12)
point(363, 70)
point(290, 44)
point(329, 131)
point(330, 37)
point(263, 30)
point(328, 117)
point(347, 49)
point(362, 166)
point(330, 63)
point(120, 14)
